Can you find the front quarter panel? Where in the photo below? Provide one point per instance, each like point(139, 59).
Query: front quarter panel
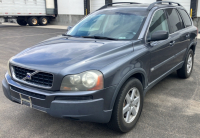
point(119, 71)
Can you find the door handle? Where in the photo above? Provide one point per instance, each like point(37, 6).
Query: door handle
point(172, 43)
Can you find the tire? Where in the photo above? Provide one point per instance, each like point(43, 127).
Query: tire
point(22, 22)
point(187, 67)
point(119, 121)
point(43, 21)
point(33, 21)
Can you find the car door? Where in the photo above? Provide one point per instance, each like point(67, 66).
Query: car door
point(160, 51)
point(179, 35)
point(186, 32)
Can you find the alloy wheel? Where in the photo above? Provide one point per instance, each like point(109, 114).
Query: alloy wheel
point(189, 64)
point(131, 105)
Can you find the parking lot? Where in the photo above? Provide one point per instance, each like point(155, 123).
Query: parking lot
point(171, 108)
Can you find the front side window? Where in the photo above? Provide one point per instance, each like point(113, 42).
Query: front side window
point(117, 24)
point(186, 18)
point(174, 20)
point(159, 22)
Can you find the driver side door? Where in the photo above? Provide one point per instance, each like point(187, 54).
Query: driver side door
point(160, 51)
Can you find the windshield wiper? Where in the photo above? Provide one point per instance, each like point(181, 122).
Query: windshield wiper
point(99, 37)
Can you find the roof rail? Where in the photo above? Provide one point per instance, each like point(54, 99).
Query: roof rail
point(109, 4)
point(160, 2)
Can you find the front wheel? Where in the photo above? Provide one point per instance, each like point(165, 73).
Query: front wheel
point(186, 70)
point(128, 106)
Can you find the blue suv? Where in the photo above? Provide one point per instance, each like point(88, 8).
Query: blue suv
point(102, 67)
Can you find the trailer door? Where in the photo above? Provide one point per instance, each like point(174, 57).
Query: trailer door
point(50, 7)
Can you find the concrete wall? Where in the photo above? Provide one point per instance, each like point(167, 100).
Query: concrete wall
point(69, 20)
point(196, 22)
point(69, 12)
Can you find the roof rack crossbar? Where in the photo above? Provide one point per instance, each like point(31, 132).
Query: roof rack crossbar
point(160, 2)
point(110, 4)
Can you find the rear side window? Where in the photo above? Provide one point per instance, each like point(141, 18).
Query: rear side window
point(174, 20)
point(185, 17)
point(159, 22)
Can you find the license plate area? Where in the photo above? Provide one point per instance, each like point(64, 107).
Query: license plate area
point(25, 100)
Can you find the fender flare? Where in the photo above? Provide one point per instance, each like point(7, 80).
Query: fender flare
point(191, 44)
point(188, 48)
point(124, 79)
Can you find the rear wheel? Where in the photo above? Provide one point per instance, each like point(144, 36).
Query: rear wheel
point(128, 106)
point(22, 22)
point(33, 21)
point(186, 70)
point(43, 20)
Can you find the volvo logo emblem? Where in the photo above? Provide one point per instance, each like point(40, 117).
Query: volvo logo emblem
point(29, 75)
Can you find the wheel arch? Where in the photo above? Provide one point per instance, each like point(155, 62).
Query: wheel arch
point(192, 46)
point(138, 73)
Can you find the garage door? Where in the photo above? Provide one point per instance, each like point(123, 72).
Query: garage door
point(96, 4)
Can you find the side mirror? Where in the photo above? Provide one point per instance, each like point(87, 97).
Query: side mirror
point(159, 35)
point(68, 28)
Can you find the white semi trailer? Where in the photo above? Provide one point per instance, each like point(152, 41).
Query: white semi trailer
point(32, 12)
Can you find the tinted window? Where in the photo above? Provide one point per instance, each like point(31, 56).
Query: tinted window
point(181, 20)
point(159, 22)
point(175, 23)
point(186, 18)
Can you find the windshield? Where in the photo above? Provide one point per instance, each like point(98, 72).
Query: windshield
point(116, 24)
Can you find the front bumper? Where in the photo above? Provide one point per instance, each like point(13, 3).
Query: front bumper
point(96, 109)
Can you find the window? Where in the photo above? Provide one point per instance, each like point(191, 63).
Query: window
point(181, 20)
point(159, 22)
point(186, 18)
point(174, 20)
point(116, 23)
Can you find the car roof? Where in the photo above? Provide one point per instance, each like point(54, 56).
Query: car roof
point(142, 6)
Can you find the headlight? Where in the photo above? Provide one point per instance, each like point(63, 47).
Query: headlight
point(86, 81)
point(8, 67)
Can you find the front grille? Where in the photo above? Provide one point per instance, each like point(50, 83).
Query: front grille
point(40, 96)
point(40, 78)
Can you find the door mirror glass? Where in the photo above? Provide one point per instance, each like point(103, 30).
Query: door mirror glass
point(159, 35)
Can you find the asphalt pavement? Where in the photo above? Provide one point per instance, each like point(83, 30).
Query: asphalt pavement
point(171, 108)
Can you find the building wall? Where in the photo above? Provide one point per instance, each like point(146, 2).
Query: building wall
point(198, 9)
point(69, 12)
point(71, 7)
point(96, 4)
point(72, 11)
point(184, 3)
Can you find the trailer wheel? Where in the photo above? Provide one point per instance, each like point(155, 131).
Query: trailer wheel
point(22, 22)
point(33, 21)
point(43, 20)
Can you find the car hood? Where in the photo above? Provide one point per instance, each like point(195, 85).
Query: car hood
point(59, 53)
